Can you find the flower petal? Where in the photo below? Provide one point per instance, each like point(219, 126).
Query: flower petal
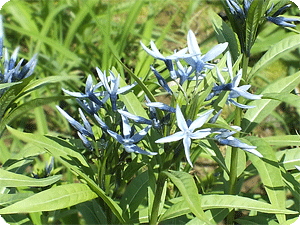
point(139, 136)
point(200, 120)
point(136, 149)
point(161, 106)
point(201, 133)
point(116, 136)
point(180, 119)
point(137, 119)
point(192, 43)
point(75, 94)
point(174, 137)
point(187, 145)
point(214, 52)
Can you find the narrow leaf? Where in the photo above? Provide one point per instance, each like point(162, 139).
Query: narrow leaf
point(9, 179)
point(55, 198)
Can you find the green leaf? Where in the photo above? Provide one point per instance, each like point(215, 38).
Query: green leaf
point(222, 201)
point(265, 106)
point(289, 98)
point(72, 160)
point(9, 179)
point(25, 107)
point(92, 212)
point(269, 171)
point(254, 16)
point(289, 158)
point(225, 33)
point(135, 193)
point(274, 52)
point(187, 187)
point(8, 199)
point(7, 85)
point(55, 198)
point(283, 140)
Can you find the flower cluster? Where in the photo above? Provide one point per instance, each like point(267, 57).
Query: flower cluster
point(198, 65)
point(12, 72)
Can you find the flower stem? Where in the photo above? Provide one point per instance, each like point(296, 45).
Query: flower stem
point(234, 151)
point(159, 189)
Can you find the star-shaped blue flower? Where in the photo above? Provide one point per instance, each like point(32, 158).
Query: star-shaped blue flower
point(167, 60)
point(161, 80)
point(90, 92)
point(199, 61)
point(113, 90)
point(83, 131)
point(128, 140)
point(187, 131)
point(14, 73)
point(234, 90)
point(225, 138)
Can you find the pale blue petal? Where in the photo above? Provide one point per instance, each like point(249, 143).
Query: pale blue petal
point(139, 136)
point(246, 94)
point(192, 43)
point(126, 88)
point(86, 124)
point(116, 85)
point(229, 65)
point(214, 52)
point(236, 80)
point(180, 119)
point(174, 137)
point(126, 127)
point(241, 105)
point(75, 94)
point(152, 53)
point(201, 133)
point(156, 51)
point(161, 106)
point(73, 122)
point(101, 123)
point(221, 78)
point(134, 148)
point(254, 151)
point(200, 120)
point(297, 167)
point(137, 119)
point(116, 136)
point(187, 145)
point(85, 141)
point(89, 84)
point(103, 79)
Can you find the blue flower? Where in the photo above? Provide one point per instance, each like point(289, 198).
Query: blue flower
point(128, 140)
point(297, 167)
point(183, 72)
point(90, 93)
point(225, 138)
point(83, 131)
point(278, 20)
point(161, 80)
point(154, 121)
point(89, 106)
point(13, 72)
point(167, 60)
point(199, 61)
point(113, 90)
point(234, 90)
point(187, 131)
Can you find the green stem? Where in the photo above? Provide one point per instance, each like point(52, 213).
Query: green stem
point(155, 207)
point(234, 151)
